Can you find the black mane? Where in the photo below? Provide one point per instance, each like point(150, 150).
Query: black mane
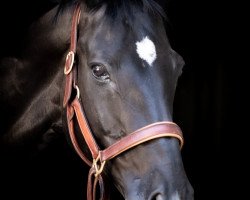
point(116, 7)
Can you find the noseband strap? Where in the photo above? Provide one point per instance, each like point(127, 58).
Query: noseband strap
point(75, 112)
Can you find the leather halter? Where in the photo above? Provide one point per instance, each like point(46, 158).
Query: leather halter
point(75, 111)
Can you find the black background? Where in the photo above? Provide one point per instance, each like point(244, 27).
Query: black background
point(208, 106)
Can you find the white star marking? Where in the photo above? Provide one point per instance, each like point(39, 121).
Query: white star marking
point(146, 50)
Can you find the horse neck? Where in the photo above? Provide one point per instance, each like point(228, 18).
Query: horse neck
point(40, 65)
point(42, 57)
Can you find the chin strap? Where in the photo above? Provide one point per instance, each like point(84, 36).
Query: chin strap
point(76, 113)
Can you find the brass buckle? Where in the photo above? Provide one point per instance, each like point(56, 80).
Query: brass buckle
point(98, 165)
point(72, 54)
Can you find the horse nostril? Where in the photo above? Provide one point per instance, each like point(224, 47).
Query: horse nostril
point(157, 197)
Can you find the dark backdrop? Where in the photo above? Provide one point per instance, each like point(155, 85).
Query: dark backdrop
point(208, 105)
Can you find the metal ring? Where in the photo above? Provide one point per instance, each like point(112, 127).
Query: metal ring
point(77, 91)
point(67, 71)
point(98, 165)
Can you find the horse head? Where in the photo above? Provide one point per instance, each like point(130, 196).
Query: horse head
point(121, 75)
point(127, 74)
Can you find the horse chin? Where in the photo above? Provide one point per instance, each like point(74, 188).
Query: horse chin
point(152, 176)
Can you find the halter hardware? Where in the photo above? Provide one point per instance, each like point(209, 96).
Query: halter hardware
point(77, 91)
point(98, 165)
point(71, 56)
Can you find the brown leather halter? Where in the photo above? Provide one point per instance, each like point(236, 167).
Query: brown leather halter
point(75, 111)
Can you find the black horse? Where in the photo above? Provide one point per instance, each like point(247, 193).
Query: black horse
point(121, 70)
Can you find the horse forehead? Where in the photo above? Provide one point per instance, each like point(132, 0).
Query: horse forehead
point(114, 36)
point(122, 36)
point(120, 28)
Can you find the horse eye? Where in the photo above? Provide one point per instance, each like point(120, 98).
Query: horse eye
point(100, 72)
